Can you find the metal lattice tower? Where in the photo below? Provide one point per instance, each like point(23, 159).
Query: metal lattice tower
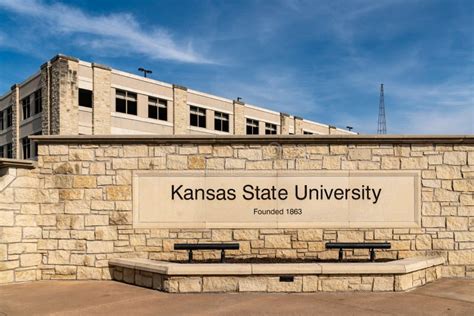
point(382, 124)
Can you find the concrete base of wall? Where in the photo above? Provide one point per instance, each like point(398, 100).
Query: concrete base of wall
point(399, 275)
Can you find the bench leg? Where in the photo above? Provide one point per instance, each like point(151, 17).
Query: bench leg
point(190, 256)
point(372, 255)
point(341, 254)
point(222, 255)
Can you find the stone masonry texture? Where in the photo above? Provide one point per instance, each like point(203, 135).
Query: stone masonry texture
point(67, 217)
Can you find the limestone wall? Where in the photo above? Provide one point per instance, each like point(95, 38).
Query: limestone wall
point(67, 217)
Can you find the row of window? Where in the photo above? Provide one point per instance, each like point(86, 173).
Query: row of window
point(6, 118)
point(126, 102)
point(6, 151)
point(26, 104)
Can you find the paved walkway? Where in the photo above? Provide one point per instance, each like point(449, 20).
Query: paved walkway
point(445, 297)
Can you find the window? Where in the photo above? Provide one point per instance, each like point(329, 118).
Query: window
point(25, 105)
point(307, 133)
point(1, 122)
point(270, 129)
point(126, 102)
point(252, 127)
point(85, 98)
point(221, 121)
point(9, 117)
point(2, 154)
point(197, 117)
point(25, 143)
point(157, 109)
point(10, 150)
point(38, 102)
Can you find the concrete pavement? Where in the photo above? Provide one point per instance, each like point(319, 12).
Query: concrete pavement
point(444, 297)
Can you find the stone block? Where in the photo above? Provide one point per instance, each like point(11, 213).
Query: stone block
point(466, 185)
point(10, 234)
point(245, 234)
point(310, 234)
point(294, 152)
point(118, 193)
point(124, 163)
point(250, 154)
point(215, 163)
point(350, 236)
point(58, 257)
point(415, 163)
point(89, 273)
point(6, 276)
point(335, 284)
point(135, 150)
point(274, 285)
point(221, 235)
point(77, 207)
point(232, 163)
point(423, 242)
point(433, 221)
point(448, 172)
point(360, 154)
point(382, 284)
point(390, 163)
point(443, 195)
point(461, 257)
point(220, 284)
point(30, 259)
point(277, 241)
point(100, 246)
point(196, 162)
point(84, 182)
point(222, 151)
point(455, 158)
point(464, 236)
point(176, 162)
point(25, 275)
point(332, 162)
point(190, 285)
point(253, 284)
point(106, 233)
point(403, 282)
point(457, 223)
point(7, 218)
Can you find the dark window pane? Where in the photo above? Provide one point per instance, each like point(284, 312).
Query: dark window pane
point(163, 114)
point(217, 124)
point(225, 126)
point(85, 98)
point(152, 112)
point(9, 117)
point(1, 152)
point(249, 130)
point(193, 120)
point(132, 107)
point(1, 122)
point(38, 102)
point(10, 150)
point(120, 105)
point(202, 121)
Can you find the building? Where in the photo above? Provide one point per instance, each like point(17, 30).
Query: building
point(72, 97)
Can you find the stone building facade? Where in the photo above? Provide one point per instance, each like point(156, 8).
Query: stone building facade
point(72, 212)
point(72, 97)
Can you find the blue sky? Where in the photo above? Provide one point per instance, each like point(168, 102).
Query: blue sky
point(323, 60)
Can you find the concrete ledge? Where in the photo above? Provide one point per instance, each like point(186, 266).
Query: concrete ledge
point(399, 275)
point(347, 268)
point(16, 163)
point(270, 140)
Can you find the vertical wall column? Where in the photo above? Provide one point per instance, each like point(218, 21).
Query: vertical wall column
point(180, 111)
point(284, 124)
point(298, 125)
point(15, 104)
point(45, 80)
point(239, 118)
point(64, 117)
point(101, 109)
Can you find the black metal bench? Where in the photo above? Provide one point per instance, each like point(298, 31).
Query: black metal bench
point(221, 247)
point(356, 245)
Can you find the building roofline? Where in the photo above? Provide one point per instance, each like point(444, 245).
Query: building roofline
point(267, 139)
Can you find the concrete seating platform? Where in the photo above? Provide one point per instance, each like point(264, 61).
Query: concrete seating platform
point(398, 275)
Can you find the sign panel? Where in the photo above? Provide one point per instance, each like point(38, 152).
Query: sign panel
point(276, 199)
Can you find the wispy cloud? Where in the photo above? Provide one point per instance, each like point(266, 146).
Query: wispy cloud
point(114, 31)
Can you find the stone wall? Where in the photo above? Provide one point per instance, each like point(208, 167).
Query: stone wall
point(101, 119)
point(67, 217)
